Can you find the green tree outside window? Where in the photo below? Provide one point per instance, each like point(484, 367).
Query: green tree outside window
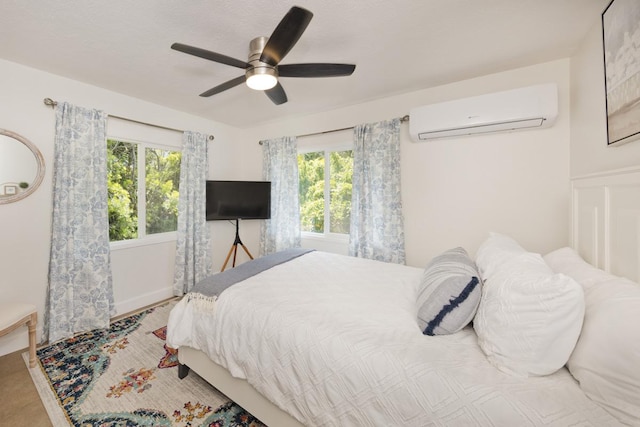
point(161, 181)
point(325, 193)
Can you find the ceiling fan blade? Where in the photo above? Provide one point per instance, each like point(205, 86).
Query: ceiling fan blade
point(277, 94)
point(224, 86)
point(286, 35)
point(211, 56)
point(315, 70)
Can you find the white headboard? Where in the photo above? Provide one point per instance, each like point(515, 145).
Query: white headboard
point(606, 221)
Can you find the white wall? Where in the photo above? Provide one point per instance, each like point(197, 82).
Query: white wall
point(589, 150)
point(457, 190)
point(142, 274)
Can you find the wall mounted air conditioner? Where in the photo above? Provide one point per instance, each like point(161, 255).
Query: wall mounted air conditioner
point(523, 108)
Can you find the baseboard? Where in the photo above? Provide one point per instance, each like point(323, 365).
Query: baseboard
point(134, 304)
point(18, 340)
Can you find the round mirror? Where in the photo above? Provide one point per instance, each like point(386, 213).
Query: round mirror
point(21, 167)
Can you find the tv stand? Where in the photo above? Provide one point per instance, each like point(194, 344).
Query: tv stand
point(234, 248)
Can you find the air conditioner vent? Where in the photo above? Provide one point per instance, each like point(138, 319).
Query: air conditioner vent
point(524, 108)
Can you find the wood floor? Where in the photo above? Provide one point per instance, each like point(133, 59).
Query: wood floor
point(20, 404)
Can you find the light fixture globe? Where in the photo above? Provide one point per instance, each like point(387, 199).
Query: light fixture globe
point(260, 76)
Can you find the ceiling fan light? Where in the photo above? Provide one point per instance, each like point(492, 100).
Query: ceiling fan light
point(261, 76)
point(261, 81)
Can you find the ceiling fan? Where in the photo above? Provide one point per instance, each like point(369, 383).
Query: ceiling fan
point(263, 68)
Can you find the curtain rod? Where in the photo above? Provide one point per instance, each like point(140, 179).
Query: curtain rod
point(50, 102)
point(404, 118)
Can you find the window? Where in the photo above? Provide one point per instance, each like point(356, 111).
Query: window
point(325, 191)
point(142, 184)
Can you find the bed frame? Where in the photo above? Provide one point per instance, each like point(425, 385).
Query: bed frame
point(236, 389)
point(605, 232)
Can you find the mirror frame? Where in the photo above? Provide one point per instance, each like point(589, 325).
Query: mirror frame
point(39, 160)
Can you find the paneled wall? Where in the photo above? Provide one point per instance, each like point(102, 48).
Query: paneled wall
point(606, 221)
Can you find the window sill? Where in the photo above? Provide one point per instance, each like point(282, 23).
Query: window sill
point(146, 241)
point(329, 237)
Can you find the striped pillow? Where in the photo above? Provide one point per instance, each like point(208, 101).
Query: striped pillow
point(449, 293)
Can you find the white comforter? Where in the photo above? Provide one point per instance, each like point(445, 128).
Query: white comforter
point(334, 341)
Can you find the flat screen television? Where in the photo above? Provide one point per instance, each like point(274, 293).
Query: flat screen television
point(238, 200)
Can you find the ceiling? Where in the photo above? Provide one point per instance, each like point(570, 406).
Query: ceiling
point(397, 46)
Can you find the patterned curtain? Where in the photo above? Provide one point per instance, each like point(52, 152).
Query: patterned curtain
point(280, 166)
point(80, 291)
point(377, 230)
point(193, 260)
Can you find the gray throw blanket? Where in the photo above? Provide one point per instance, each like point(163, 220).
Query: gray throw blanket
point(214, 285)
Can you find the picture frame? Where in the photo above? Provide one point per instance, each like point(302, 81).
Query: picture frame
point(620, 27)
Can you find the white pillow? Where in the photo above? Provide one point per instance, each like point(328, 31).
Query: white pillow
point(529, 318)
point(495, 251)
point(567, 261)
point(606, 360)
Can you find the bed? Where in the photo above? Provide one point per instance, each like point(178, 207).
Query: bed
point(327, 340)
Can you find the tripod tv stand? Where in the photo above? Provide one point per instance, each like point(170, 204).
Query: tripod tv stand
point(234, 248)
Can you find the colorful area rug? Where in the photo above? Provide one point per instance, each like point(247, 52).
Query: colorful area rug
point(127, 376)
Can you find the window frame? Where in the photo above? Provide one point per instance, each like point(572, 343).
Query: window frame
point(143, 238)
point(327, 149)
